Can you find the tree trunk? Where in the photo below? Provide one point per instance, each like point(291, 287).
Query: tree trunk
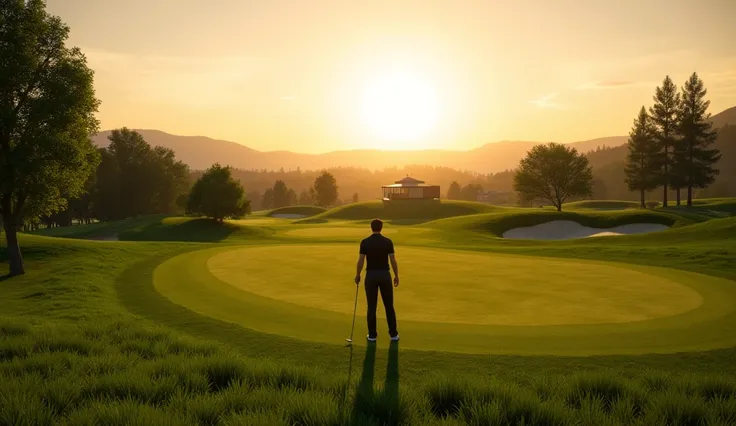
point(666, 175)
point(14, 257)
point(678, 196)
point(643, 200)
point(689, 195)
point(664, 197)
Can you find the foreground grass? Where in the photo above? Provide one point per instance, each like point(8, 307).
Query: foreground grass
point(123, 373)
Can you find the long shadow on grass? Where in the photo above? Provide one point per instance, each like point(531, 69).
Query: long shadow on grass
point(382, 406)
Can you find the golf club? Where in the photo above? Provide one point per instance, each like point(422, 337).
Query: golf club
point(352, 329)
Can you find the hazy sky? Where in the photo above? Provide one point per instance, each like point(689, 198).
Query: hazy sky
point(297, 75)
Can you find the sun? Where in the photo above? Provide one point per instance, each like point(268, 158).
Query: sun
point(399, 108)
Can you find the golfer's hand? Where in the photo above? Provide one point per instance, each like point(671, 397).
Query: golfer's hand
point(357, 279)
point(396, 281)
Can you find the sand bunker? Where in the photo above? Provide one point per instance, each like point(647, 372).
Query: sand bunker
point(567, 229)
point(288, 216)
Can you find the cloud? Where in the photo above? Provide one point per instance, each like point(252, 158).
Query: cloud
point(547, 102)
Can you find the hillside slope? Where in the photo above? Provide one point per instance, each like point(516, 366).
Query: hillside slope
point(608, 167)
point(200, 152)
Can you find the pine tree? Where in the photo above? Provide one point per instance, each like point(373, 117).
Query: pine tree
point(694, 159)
point(280, 194)
point(664, 114)
point(642, 165)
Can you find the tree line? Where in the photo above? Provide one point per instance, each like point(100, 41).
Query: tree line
point(671, 144)
point(218, 195)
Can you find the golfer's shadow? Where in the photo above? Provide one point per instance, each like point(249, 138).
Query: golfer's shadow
point(383, 405)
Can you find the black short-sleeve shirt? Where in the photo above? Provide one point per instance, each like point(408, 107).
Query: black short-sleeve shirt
point(376, 249)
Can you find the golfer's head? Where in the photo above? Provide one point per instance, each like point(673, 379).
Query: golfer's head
point(376, 225)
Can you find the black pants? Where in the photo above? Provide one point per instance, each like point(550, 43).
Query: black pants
point(375, 281)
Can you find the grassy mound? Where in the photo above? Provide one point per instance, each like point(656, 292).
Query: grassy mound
point(498, 223)
point(602, 205)
point(102, 230)
point(305, 211)
point(159, 228)
point(418, 210)
point(192, 229)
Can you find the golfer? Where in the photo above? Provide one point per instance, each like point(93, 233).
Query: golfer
point(378, 250)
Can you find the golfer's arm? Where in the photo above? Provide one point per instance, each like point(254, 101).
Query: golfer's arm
point(394, 265)
point(361, 261)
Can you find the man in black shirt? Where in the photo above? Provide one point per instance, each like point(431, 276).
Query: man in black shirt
point(378, 249)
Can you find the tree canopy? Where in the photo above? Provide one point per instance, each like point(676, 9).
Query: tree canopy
point(47, 114)
point(664, 117)
point(642, 161)
point(554, 173)
point(280, 194)
point(218, 196)
point(694, 157)
point(325, 189)
point(136, 179)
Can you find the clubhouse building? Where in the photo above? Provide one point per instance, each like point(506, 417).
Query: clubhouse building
point(409, 188)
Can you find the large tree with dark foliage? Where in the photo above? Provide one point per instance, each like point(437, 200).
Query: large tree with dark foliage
point(47, 107)
point(694, 157)
point(325, 189)
point(218, 196)
point(664, 114)
point(135, 179)
point(554, 173)
point(280, 194)
point(642, 161)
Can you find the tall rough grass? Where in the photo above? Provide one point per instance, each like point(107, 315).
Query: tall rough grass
point(126, 374)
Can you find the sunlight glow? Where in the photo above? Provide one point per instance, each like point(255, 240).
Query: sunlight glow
point(399, 108)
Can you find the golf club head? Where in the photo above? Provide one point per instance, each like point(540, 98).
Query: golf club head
point(349, 340)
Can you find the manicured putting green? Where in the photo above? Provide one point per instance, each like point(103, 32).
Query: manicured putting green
point(461, 287)
point(460, 301)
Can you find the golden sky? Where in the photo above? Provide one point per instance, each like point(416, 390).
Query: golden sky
point(319, 75)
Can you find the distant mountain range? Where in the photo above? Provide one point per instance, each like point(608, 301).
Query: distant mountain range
point(200, 152)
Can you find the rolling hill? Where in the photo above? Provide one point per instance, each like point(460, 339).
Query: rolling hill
point(724, 118)
point(200, 152)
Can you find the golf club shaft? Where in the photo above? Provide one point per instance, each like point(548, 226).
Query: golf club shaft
point(355, 309)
